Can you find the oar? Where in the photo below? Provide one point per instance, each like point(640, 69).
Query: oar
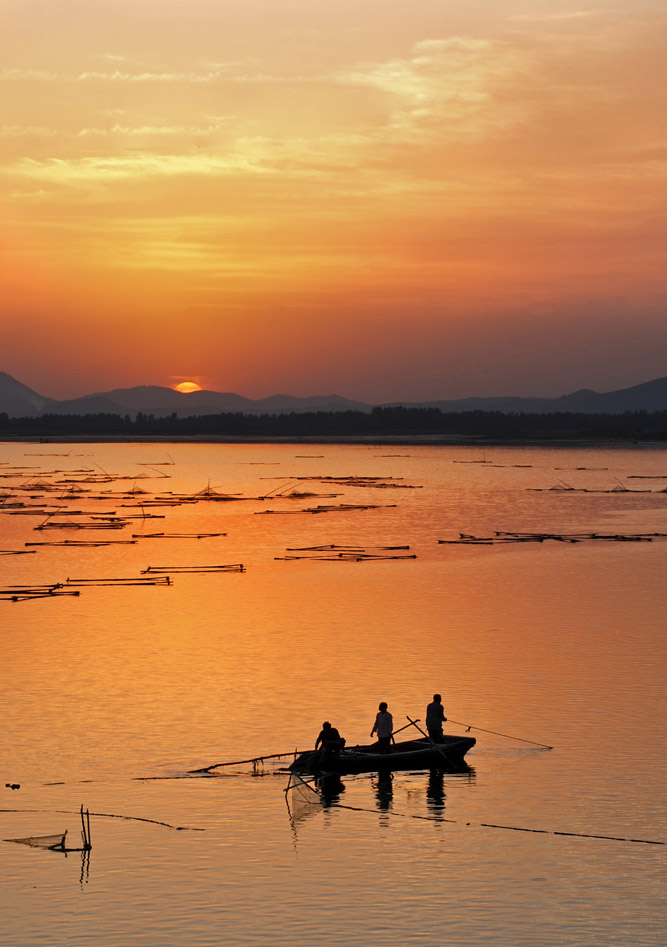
point(496, 733)
point(432, 742)
point(400, 729)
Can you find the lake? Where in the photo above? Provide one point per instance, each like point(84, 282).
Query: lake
point(111, 698)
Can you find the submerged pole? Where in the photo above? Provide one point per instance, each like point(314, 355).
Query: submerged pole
point(85, 829)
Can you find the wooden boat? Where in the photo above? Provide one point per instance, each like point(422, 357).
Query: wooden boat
point(408, 754)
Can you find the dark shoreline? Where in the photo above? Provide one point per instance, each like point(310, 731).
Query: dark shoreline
point(393, 425)
point(379, 440)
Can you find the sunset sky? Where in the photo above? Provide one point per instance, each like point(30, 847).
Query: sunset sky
point(385, 199)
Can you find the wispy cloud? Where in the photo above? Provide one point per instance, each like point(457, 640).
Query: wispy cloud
point(95, 170)
point(556, 17)
point(445, 84)
point(27, 131)
point(209, 74)
point(236, 72)
point(21, 75)
point(156, 77)
point(29, 195)
point(151, 130)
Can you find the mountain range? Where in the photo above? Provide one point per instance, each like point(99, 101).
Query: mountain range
point(19, 401)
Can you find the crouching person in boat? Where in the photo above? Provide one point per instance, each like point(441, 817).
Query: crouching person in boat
point(384, 727)
point(329, 742)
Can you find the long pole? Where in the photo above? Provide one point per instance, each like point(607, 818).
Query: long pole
point(432, 742)
point(496, 733)
point(85, 826)
point(268, 756)
point(411, 724)
point(255, 759)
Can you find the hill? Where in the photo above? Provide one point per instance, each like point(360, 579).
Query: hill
point(19, 401)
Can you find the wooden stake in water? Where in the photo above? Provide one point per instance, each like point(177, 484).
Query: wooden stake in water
point(85, 829)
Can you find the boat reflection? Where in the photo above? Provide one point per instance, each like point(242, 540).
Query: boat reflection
point(435, 791)
point(307, 796)
point(383, 785)
point(330, 786)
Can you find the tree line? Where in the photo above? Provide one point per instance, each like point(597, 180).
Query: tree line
point(403, 421)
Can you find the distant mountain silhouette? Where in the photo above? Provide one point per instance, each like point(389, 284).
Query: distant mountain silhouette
point(649, 396)
point(164, 401)
point(19, 401)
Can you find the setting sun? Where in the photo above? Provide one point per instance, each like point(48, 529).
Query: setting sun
point(186, 387)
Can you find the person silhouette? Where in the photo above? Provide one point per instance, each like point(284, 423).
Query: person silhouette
point(435, 717)
point(384, 727)
point(330, 740)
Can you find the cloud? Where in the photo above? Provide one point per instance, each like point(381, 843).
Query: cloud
point(29, 195)
point(19, 75)
point(150, 130)
point(445, 85)
point(216, 72)
point(534, 118)
point(556, 17)
point(121, 76)
point(159, 77)
point(94, 170)
point(263, 78)
point(27, 131)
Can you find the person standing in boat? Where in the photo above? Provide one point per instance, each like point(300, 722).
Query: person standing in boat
point(435, 717)
point(384, 727)
point(330, 740)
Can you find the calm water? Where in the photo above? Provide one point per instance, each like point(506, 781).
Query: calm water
point(108, 699)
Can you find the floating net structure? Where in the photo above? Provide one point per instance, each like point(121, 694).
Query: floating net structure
point(56, 843)
point(302, 797)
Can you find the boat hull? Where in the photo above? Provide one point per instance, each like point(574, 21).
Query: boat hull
point(448, 756)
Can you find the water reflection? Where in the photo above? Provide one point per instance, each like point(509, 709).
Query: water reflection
point(435, 792)
point(84, 876)
point(383, 786)
point(331, 786)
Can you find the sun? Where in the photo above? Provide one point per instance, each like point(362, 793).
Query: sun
point(186, 387)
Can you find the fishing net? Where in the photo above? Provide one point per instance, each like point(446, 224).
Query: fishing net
point(54, 842)
point(302, 797)
point(58, 841)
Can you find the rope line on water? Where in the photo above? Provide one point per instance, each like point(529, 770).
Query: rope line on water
point(110, 815)
point(493, 825)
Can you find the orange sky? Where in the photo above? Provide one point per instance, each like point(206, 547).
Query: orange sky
point(387, 200)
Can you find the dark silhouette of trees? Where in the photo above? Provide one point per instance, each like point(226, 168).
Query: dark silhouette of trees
point(381, 421)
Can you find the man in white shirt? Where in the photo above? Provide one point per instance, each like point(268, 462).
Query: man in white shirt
point(384, 727)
